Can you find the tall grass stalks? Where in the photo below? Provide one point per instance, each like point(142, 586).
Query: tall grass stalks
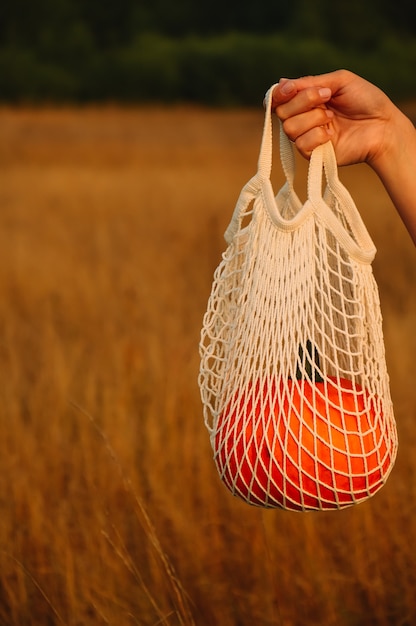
point(112, 512)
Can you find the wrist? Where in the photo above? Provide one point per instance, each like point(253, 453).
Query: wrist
point(396, 166)
point(398, 140)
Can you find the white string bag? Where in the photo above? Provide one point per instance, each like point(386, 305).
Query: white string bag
point(293, 376)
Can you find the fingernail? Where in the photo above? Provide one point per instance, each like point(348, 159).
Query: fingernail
point(287, 88)
point(325, 93)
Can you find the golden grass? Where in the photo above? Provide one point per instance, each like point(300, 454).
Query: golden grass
point(111, 509)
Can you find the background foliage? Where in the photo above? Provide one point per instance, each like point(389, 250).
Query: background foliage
point(214, 53)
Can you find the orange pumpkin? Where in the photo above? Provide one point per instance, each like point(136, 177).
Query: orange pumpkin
point(306, 445)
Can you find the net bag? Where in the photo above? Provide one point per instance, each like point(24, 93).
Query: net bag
point(293, 376)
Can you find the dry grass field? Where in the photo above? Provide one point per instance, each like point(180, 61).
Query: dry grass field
point(111, 224)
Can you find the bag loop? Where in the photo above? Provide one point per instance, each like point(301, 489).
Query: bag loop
point(351, 231)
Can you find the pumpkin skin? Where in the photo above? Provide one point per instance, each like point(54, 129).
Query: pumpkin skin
point(333, 457)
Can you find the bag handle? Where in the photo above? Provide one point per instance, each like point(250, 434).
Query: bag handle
point(356, 240)
point(264, 170)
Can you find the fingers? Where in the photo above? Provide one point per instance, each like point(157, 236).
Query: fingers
point(284, 91)
point(335, 81)
point(304, 113)
point(298, 125)
point(315, 137)
point(288, 100)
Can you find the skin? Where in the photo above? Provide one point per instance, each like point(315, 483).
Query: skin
point(363, 124)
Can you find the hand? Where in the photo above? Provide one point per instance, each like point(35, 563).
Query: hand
point(363, 124)
point(342, 107)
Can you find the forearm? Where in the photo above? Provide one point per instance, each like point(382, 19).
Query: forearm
point(396, 167)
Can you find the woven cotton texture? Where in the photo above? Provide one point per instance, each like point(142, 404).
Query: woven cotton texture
point(293, 376)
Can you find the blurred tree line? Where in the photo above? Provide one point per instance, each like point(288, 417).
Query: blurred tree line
point(221, 52)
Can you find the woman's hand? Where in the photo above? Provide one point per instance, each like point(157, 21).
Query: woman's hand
point(342, 107)
point(363, 124)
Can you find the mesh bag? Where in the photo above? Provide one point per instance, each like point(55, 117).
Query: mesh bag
point(293, 376)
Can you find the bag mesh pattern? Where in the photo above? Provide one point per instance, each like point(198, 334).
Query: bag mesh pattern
point(293, 377)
